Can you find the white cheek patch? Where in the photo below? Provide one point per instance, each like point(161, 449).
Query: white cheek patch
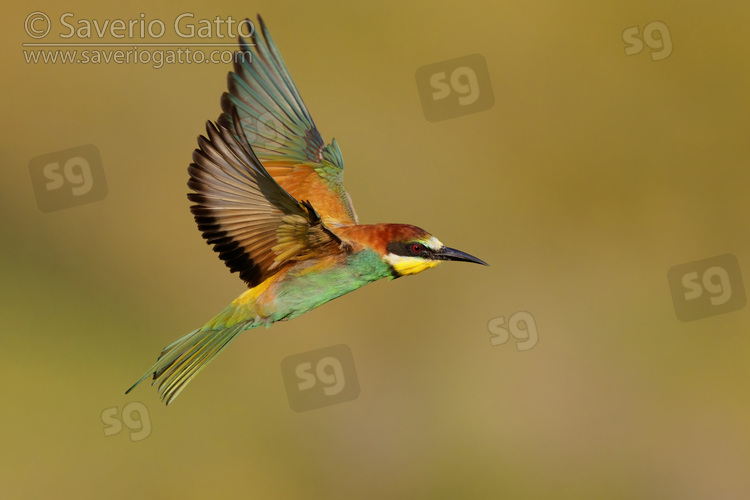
point(393, 259)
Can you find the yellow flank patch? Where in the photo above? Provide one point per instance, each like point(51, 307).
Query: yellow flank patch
point(251, 295)
point(242, 308)
point(411, 265)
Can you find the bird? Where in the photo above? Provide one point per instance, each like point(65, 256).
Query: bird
point(268, 195)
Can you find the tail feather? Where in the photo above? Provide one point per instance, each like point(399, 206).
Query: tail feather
point(183, 359)
point(187, 365)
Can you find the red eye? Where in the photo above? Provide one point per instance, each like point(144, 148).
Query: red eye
point(416, 248)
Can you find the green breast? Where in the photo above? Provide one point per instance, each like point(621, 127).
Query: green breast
point(300, 292)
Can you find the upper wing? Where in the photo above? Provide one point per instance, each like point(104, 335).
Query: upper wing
point(254, 224)
point(281, 130)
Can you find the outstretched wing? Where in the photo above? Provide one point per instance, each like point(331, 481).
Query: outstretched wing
point(253, 223)
point(281, 131)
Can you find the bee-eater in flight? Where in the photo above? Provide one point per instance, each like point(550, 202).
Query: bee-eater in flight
point(275, 209)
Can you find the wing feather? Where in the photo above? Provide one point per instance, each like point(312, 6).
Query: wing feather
point(251, 221)
point(278, 125)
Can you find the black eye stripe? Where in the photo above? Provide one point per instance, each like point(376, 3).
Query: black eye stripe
point(408, 249)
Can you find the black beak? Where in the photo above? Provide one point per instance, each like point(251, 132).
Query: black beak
point(447, 253)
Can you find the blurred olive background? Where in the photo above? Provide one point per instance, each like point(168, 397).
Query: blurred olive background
point(591, 176)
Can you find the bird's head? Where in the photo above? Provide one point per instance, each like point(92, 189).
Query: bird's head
point(410, 250)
